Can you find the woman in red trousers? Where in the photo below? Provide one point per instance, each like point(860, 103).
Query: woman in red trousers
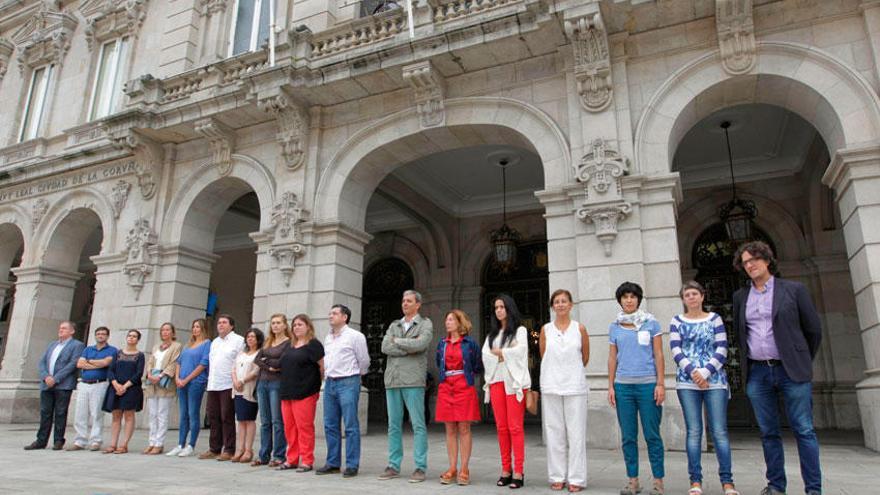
point(458, 360)
point(302, 369)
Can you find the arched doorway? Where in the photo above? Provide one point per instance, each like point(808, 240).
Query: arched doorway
point(384, 284)
point(11, 251)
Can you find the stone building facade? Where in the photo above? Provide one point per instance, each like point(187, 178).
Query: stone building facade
point(158, 151)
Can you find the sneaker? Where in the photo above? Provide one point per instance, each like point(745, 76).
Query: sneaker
point(389, 473)
point(95, 447)
point(74, 448)
point(417, 476)
point(186, 452)
point(208, 455)
point(769, 490)
point(176, 450)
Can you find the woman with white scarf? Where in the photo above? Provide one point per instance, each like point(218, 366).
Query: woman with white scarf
point(635, 384)
point(507, 380)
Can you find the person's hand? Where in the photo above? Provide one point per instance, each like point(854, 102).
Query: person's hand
point(274, 370)
point(154, 379)
point(180, 383)
point(239, 386)
point(611, 398)
point(699, 380)
point(498, 354)
point(659, 394)
point(119, 389)
point(50, 381)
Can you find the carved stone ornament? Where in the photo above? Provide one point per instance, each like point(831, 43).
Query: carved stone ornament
point(138, 259)
point(119, 196)
point(222, 141)
point(287, 215)
point(293, 127)
point(592, 61)
point(39, 209)
point(736, 35)
point(109, 19)
point(45, 37)
point(148, 156)
point(601, 170)
point(285, 259)
point(605, 219)
point(211, 7)
point(429, 90)
point(6, 48)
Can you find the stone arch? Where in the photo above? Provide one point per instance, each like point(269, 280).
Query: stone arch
point(374, 151)
point(394, 245)
point(833, 97)
point(14, 229)
point(60, 235)
point(204, 196)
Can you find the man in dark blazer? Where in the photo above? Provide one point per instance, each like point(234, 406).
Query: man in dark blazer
point(779, 333)
point(57, 380)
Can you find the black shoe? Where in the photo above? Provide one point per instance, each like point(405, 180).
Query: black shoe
point(35, 446)
point(350, 472)
point(58, 446)
point(327, 470)
point(516, 483)
point(504, 480)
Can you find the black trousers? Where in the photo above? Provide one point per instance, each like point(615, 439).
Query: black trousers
point(53, 408)
point(221, 417)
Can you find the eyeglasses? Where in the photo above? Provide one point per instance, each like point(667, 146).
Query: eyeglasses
point(751, 260)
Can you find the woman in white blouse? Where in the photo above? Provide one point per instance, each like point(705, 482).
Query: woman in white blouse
point(507, 380)
point(565, 352)
point(244, 385)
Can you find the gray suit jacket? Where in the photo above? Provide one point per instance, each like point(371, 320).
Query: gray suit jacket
point(65, 367)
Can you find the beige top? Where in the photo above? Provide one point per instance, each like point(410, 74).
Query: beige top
point(168, 365)
point(246, 371)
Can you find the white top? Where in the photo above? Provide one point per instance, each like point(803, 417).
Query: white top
point(158, 356)
point(244, 366)
point(562, 367)
point(514, 370)
point(345, 354)
point(222, 358)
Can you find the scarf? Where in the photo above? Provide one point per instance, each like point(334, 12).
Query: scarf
point(637, 319)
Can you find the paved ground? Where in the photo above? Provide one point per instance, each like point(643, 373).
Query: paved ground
point(848, 469)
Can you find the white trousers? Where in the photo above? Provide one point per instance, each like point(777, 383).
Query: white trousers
point(565, 431)
point(158, 407)
point(89, 418)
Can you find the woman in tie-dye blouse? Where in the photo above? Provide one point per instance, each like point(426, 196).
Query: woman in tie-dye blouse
point(699, 348)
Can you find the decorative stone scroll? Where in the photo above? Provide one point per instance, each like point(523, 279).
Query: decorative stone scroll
point(211, 7)
point(138, 256)
point(601, 170)
point(119, 196)
point(148, 155)
point(736, 35)
point(286, 245)
point(605, 219)
point(6, 48)
point(293, 126)
point(429, 90)
point(38, 211)
point(592, 61)
point(108, 19)
point(45, 37)
point(222, 141)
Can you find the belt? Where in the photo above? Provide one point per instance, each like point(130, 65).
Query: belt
point(454, 372)
point(92, 382)
point(334, 378)
point(766, 362)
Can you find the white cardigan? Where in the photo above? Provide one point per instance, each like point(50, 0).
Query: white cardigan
point(513, 371)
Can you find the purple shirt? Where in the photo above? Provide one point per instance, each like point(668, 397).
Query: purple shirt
point(759, 323)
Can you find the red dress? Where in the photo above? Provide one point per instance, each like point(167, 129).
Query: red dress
point(456, 400)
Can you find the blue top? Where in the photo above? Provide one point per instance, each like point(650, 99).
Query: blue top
point(92, 352)
point(699, 345)
point(634, 360)
point(191, 357)
point(471, 354)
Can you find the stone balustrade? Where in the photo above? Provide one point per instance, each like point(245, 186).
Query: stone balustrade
point(358, 33)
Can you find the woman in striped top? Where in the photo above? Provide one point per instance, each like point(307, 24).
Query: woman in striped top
point(699, 348)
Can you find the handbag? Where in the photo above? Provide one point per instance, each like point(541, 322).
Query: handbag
point(165, 381)
point(532, 397)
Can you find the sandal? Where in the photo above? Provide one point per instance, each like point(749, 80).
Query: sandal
point(730, 490)
point(696, 490)
point(257, 462)
point(504, 480)
point(464, 477)
point(121, 450)
point(574, 488)
point(657, 489)
point(631, 488)
point(109, 450)
point(517, 483)
point(447, 477)
point(285, 466)
point(557, 486)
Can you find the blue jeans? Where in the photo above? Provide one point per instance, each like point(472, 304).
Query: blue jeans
point(636, 401)
point(414, 399)
point(189, 399)
point(765, 386)
point(272, 440)
point(341, 403)
point(716, 411)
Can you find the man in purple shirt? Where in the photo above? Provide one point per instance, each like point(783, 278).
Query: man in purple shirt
point(779, 331)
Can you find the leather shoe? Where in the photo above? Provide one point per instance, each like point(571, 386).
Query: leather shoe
point(225, 456)
point(35, 446)
point(350, 473)
point(58, 446)
point(327, 470)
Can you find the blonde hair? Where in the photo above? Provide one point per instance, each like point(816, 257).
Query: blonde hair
point(270, 340)
point(206, 330)
point(464, 322)
point(310, 332)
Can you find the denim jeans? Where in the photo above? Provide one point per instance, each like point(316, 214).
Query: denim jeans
point(272, 439)
point(189, 400)
point(341, 403)
point(765, 386)
point(716, 411)
point(636, 401)
point(414, 399)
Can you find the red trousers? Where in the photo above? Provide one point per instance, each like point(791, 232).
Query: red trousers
point(299, 429)
point(509, 414)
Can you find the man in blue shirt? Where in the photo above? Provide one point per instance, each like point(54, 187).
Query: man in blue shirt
point(91, 390)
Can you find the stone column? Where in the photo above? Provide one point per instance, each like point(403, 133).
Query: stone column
point(871, 12)
point(4, 330)
point(854, 174)
point(44, 297)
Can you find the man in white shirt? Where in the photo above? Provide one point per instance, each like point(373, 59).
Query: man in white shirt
point(221, 410)
point(346, 359)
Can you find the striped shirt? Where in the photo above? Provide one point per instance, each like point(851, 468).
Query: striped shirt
point(699, 345)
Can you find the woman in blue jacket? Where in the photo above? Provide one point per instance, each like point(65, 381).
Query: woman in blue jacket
point(458, 361)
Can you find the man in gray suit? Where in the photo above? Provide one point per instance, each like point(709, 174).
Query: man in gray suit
point(58, 379)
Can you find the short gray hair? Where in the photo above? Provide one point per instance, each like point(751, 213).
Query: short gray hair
point(413, 293)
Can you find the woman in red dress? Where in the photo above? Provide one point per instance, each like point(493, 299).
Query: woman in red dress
point(459, 361)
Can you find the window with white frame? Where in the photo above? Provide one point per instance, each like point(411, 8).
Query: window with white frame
point(35, 103)
point(107, 87)
point(250, 26)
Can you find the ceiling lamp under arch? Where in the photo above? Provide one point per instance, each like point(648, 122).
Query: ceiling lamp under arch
point(738, 214)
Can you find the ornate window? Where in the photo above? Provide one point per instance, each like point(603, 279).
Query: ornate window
point(109, 79)
point(35, 102)
point(250, 26)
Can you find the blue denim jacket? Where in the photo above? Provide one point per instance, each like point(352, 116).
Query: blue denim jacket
point(471, 354)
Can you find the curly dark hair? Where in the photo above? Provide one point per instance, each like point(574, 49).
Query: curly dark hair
point(629, 288)
point(759, 250)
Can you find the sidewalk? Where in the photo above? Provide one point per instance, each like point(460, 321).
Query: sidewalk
point(848, 469)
